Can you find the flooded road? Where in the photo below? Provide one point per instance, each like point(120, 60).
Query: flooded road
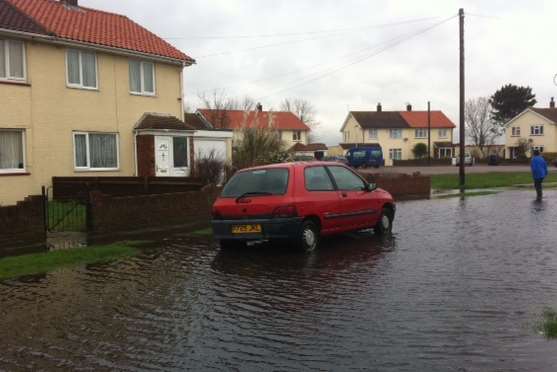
point(458, 287)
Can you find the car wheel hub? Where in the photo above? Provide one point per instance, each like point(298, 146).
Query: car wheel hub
point(386, 222)
point(309, 237)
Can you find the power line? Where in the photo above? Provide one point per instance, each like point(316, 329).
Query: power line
point(359, 60)
point(290, 34)
point(318, 65)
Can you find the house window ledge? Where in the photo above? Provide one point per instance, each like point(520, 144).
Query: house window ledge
point(12, 174)
point(96, 170)
point(15, 82)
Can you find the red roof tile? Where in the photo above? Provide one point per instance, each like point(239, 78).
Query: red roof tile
point(94, 26)
point(418, 119)
point(238, 119)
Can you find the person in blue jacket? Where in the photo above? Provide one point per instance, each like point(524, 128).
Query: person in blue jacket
point(539, 172)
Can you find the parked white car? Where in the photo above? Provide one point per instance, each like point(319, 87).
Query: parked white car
point(468, 160)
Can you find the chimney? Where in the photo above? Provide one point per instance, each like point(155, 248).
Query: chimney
point(552, 103)
point(379, 107)
point(70, 2)
point(408, 107)
point(259, 107)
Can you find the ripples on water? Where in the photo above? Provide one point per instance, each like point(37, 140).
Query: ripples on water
point(459, 287)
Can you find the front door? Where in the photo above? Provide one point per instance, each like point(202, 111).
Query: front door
point(163, 146)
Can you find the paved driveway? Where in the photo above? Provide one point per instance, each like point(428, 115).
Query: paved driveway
point(453, 169)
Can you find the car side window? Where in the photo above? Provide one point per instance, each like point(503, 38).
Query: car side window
point(317, 179)
point(346, 180)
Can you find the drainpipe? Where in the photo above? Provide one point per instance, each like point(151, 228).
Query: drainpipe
point(135, 152)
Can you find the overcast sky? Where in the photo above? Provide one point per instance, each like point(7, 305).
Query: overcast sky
point(350, 55)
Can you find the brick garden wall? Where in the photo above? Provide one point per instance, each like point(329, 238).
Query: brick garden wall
point(403, 186)
point(22, 227)
point(141, 213)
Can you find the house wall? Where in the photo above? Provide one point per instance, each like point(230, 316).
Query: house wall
point(525, 121)
point(49, 112)
point(285, 135)
point(353, 133)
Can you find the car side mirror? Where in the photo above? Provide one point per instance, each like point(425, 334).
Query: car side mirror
point(370, 187)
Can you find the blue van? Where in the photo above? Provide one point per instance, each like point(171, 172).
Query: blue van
point(366, 156)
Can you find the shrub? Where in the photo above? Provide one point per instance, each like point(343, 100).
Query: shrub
point(420, 150)
point(258, 146)
point(209, 169)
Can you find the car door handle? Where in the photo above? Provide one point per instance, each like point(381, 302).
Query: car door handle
point(344, 195)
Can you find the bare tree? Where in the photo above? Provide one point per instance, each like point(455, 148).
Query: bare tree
point(219, 103)
point(303, 109)
point(482, 130)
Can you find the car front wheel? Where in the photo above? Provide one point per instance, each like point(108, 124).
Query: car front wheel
point(385, 223)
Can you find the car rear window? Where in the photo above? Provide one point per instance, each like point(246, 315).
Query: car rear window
point(271, 181)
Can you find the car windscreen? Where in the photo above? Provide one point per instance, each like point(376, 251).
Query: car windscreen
point(257, 181)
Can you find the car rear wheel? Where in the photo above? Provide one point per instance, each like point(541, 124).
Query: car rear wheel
point(309, 236)
point(385, 223)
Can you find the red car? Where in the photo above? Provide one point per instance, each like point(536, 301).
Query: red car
point(298, 203)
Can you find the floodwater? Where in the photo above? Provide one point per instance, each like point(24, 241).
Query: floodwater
point(460, 286)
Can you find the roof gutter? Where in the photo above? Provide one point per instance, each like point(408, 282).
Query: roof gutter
point(112, 50)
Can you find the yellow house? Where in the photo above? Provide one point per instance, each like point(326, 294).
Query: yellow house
point(290, 128)
point(75, 86)
point(533, 129)
point(398, 132)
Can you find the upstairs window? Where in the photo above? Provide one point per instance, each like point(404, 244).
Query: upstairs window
point(421, 133)
point(536, 130)
point(443, 133)
point(12, 60)
point(372, 133)
point(82, 69)
point(515, 131)
point(12, 151)
point(297, 135)
point(142, 78)
point(395, 133)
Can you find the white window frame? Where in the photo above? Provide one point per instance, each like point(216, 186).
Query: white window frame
point(7, 61)
point(88, 153)
point(443, 151)
point(143, 92)
point(539, 148)
point(393, 131)
point(372, 133)
point(297, 135)
point(515, 132)
point(443, 133)
point(80, 64)
point(24, 144)
point(536, 130)
point(392, 152)
point(421, 133)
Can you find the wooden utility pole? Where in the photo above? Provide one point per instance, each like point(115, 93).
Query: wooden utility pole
point(462, 177)
point(428, 133)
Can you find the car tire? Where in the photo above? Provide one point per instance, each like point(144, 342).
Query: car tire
point(231, 244)
point(308, 239)
point(385, 224)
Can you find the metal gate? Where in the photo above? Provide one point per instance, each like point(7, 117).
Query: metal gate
point(64, 215)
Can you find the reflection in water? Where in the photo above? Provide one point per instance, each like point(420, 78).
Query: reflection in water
point(458, 286)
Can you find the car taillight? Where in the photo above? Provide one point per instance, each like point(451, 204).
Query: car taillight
point(215, 213)
point(285, 211)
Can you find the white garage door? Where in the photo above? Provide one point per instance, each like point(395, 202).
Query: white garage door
point(204, 147)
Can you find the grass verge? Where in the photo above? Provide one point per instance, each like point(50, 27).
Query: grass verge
point(13, 267)
point(549, 323)
point(485, 180)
